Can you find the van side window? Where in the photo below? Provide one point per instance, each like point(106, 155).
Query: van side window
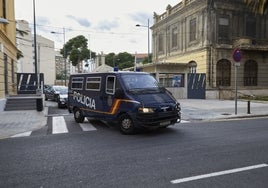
point(77, 83)
point(93, 83)
point(110, 85)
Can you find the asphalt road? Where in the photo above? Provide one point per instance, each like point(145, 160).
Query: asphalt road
point(214, 154)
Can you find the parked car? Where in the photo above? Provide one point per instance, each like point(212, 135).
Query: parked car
point(57, 93)
point(63, 98)
point(47, 87)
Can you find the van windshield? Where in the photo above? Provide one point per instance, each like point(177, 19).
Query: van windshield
point(140, 82)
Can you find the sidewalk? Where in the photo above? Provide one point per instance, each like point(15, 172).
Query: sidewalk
point(213, 109)
point(18, 122)
point(21, 122)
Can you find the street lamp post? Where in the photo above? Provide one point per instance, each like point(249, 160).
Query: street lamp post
point(148, 28)
point(39, 101)
point(35, 52)
point(64, 54)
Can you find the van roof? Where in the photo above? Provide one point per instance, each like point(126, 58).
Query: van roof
point(112, 72)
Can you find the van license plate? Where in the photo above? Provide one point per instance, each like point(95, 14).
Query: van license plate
point(165, 123)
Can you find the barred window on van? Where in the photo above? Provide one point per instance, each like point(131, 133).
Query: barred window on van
point(77, 83)
point(110, 85)
point(93, 83)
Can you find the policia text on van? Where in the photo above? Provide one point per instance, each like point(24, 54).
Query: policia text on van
point(130, 99)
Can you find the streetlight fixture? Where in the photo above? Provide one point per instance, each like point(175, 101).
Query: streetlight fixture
point(148, 27)
point(4, 21)
point(64, 53)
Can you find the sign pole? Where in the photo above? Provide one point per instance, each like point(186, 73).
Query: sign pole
point(237, 56)
point(236, 89)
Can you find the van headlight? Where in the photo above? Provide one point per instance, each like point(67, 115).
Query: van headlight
point(62, 99)
point(178, 107)
point(146, 110)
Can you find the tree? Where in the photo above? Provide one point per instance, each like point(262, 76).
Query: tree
point(122, 60)
point(258, 6)
point(77, 51)
point(19, 54)
point(21, 32)
point(110, 59)
point(145, 60)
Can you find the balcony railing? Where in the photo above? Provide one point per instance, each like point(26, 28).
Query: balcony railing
point(250, 43)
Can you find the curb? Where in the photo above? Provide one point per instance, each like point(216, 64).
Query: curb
point(227, 118)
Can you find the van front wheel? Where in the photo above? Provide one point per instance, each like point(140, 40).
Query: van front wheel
point(126, 124)
point(78, 116)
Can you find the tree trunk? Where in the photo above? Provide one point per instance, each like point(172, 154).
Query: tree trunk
point(79, 68)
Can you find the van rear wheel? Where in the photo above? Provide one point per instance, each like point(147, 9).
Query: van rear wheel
point(126, 124)
point(78, 116)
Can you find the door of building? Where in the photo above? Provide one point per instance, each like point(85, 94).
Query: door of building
point(196, 86)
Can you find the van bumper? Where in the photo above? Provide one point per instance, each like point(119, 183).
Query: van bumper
point(155, 120)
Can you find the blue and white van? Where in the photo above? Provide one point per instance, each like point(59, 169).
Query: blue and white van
point(130, 99)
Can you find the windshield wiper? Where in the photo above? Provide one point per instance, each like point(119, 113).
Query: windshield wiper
point(144, 90)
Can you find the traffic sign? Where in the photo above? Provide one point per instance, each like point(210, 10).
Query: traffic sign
point(237, 55)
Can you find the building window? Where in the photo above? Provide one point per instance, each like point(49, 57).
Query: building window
point(192, 29)
point(251, 27)
point(4, 9)
point(174, 39)
point(110, 85)
point(12, 72)
point(160, 43)
point(223, 73)
point(6, 73)
point(171, 80)
point(251, 73)
point(223, 30)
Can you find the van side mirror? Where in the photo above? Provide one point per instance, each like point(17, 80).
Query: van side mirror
point(119, 93)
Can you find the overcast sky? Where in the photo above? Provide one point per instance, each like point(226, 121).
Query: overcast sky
point(108, 24)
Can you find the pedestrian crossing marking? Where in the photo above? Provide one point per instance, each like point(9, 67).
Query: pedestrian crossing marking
point(87, 127)
point(59, 125)
point(184, 121)
point(22, 134)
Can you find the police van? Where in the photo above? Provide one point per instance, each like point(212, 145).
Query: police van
point(129, 99)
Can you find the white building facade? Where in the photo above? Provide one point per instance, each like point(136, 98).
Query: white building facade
point(45, 53)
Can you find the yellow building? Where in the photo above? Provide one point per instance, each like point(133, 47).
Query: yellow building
point(199, 37)
point(8, 50)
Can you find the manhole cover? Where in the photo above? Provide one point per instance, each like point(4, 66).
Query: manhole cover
point(225, 114)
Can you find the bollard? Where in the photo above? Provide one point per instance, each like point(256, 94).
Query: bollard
point(248, 107)
point(39, 104)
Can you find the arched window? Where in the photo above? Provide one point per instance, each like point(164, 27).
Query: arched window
point(223, 73)
point(192, 66)
point(251, 73)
